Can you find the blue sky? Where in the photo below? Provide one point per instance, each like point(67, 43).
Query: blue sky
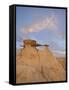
point(45, 25)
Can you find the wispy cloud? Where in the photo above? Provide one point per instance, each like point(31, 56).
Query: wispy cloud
point(48, 22)
point(59, 53)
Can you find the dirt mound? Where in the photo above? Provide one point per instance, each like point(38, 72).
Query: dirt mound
point(33, 65)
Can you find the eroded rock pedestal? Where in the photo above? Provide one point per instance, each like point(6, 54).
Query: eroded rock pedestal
point(33, 65)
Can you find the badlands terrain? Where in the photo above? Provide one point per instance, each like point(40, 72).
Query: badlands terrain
point(33, 65)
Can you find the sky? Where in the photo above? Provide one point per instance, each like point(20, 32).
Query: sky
point(45, 25)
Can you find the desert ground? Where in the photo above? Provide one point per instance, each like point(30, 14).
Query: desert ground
point(39, 66)
point(62, 61)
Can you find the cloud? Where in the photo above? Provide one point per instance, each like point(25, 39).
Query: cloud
point(48, 22)
point(59, 53)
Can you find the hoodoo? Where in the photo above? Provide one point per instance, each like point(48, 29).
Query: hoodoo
point(34, 65)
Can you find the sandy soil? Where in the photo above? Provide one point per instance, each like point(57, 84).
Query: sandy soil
point(39, 66)
point(62, 61)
